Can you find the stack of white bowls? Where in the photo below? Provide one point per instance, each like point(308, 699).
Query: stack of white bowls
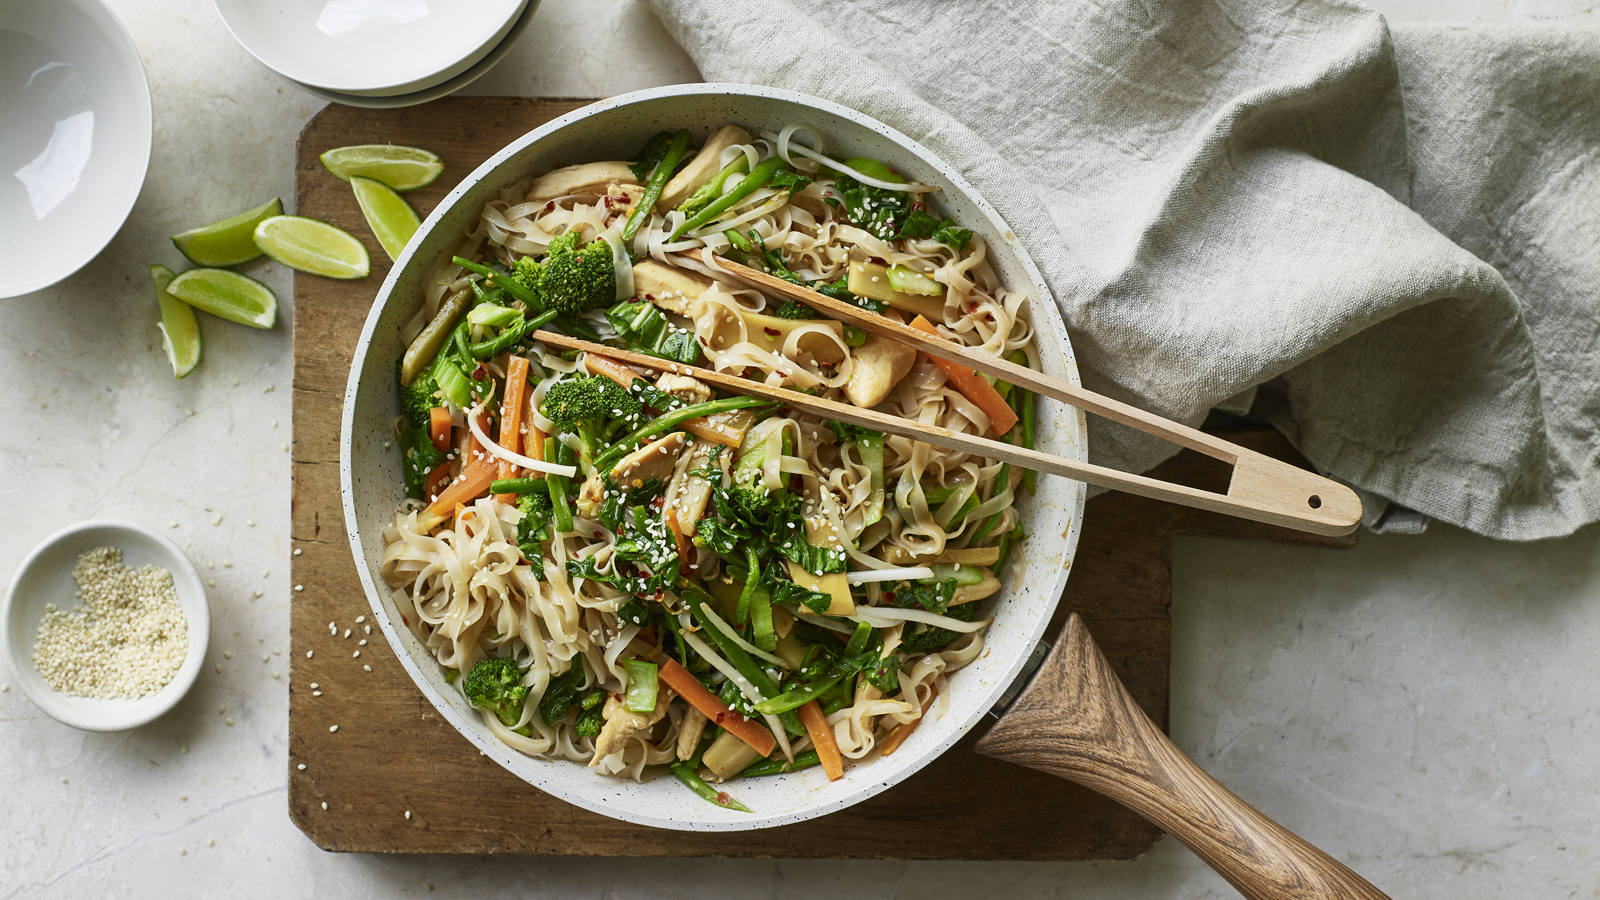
point(378, 53)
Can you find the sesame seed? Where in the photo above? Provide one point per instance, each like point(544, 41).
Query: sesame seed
point(408, 815)
point(316, 693)
point(302, 767)
point(229, 721)
point(297, 551)
point(211, 842)
point(274, 676)
point(308, 654)
point(314, 684)
point(227, 654)
point(368, 668)
point(363, 642)
point(183, 796)
point(324, 804)
point(332, 728)
point(355, 654)
point(299, 587)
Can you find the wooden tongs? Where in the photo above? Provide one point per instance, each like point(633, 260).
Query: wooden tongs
point(1262, 489)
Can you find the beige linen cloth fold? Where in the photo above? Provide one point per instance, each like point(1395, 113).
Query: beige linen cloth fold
point(1384, 240)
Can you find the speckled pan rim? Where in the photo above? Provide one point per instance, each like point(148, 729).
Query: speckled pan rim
point(966, 712)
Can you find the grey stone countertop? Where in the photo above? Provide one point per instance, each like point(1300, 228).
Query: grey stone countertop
point(1424, 708)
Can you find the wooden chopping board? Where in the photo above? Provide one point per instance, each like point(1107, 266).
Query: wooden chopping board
point(393, 754)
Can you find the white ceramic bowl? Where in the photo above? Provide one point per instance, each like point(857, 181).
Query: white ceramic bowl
point(374, 48)
point(443, 88)
point(74, 137)
point(615, 129)
point(45, 577)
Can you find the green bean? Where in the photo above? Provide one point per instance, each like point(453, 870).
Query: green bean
point(670, 421)
point(799, 697)
point(560, 509)
point(695, 783)
point(516, 485)
point(1005, 475)
point(778, 766)
point(752, 575)
point(501, 280)
point(758, 178)
point(658, 180)
point(510, 337)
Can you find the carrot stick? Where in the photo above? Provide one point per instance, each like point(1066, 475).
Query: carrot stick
point(439, 428)
point(901, 732)
point(722, 428)
point(973, 386)
point(511, 410)
point(822, 739)
point(696, 695)
point(477, 473)
point(437, 479)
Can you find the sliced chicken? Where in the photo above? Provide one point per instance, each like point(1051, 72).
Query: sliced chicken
point(690, 730)
point(674, 290)
point(880, 364)
point(622, 724)
point(587, 178)
point(685, 387)
point(689, 492)
point(650, 461)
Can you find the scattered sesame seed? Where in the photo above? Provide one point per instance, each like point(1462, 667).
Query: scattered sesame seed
point(211, 842)
point(408, 815)
point(360, 619)
point(221, 710)
point(302, 767)
point(211, 582)
point(276, 652)
point(266, 657)
point(265, 573)
point(268, 389)
point(184, 749)
point(183, 796)
point(324, 804)
point(219, 668)
point(274, 676)
point(316, 693)
point(63, 781)
point(182, 852)
point(314, 684)
point(332, 728)
point(299, 587)
point(227, 565)
point(217, 520)
point(257, 595)
point(172, 524)
point(250, 522)
point(368, 668)
point(363, 642)
point(308, 654)
point(369, 629)
point(347, 632)
point(355, 654)
point(297, 551)
point(229, 721)
point(227, 654)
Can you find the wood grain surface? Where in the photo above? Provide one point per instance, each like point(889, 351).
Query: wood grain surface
point(1076, 721)
point(393, 753)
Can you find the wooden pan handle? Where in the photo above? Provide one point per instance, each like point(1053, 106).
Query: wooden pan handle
point(1076, 720)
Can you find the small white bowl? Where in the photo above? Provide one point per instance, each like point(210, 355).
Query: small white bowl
point(45, 577)
point(367, 47)
point(75, 141)
point(443, 88)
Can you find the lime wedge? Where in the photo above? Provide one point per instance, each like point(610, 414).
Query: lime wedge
point(312, 246)
point(228, 242)
point(180, 332)
point(393, 220)
point(402, 168)
point(227, 295)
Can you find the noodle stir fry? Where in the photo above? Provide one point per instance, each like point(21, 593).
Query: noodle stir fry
point(632, 572)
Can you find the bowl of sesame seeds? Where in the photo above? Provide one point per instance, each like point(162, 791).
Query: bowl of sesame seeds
point(107, 625)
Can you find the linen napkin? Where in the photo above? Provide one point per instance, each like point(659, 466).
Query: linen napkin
point(1384, 241)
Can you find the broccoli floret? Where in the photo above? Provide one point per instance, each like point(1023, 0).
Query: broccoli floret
point(419, 396)
point(534, 528)
point(794, 309)
point(592, 718)
point(577, 279)
point(583, 406)
point(496, 685)
point(528, 273)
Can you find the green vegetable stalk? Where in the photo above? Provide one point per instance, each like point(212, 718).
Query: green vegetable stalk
point(560, 506)
point(757, 179)
point(672, 420)
point(694, 783)
point(658, 180)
